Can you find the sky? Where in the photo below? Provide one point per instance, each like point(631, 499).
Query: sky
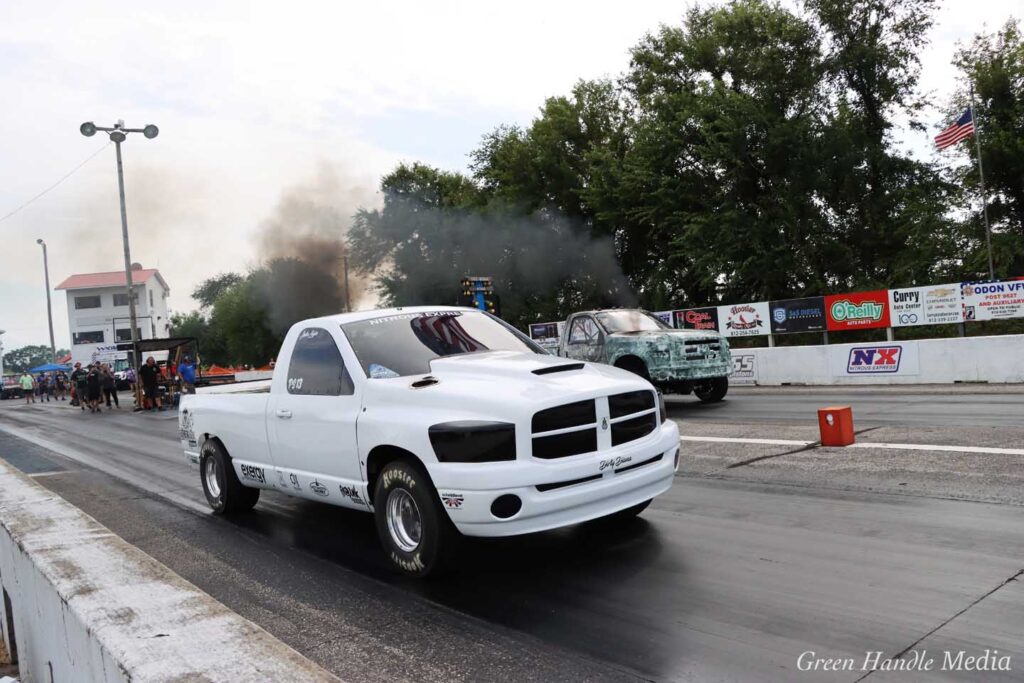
point(255, 101)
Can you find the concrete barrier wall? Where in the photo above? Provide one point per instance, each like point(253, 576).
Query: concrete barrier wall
point(995, 360)
point(83, 605)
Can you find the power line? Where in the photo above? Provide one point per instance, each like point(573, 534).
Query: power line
point(51, 187)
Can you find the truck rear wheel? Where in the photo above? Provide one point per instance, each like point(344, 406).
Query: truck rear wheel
point(224, 493)
point(417, 536)
point(711, 390)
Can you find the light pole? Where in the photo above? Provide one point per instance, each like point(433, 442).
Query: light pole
point(49, 308)
point(118, 133)
point(2, 332)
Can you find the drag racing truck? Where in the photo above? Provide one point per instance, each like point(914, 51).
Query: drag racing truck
point(675, 361)
point(440, 421)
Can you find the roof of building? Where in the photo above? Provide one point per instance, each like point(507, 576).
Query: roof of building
point(114, 278)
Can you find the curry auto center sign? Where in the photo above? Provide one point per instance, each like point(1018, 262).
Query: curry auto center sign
point(744, 320)
point(934, 305)
point(992, 300)
point(857, 310)
point(875, 359)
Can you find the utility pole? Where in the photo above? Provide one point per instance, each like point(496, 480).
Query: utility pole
point(49, 308)
point(118, 134)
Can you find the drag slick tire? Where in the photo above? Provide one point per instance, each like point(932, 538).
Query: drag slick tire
point(417, 535)
point(224, 492)
point(711, 390)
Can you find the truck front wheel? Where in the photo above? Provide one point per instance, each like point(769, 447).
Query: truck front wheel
point(224, 492)
point(417, 535)
point(711, 390)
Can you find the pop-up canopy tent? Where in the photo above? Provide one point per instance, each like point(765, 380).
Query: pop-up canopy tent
point(48, 367)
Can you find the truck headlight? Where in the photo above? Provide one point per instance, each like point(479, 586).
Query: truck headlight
point(473, 441)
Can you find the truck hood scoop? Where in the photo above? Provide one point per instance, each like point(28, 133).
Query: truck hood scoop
point(565, 367)
point(500, 363)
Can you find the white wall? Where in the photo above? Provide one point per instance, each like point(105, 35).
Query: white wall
point(928, 361)
point(89, 607)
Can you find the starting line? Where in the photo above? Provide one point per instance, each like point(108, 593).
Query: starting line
point(863, 444)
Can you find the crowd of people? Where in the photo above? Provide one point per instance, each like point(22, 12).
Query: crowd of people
point(94, 385)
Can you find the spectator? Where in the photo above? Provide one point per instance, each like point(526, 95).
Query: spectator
point(94, 388)
point(28, 387)
point(78, 386)
point(187, 373)
point(60, 385)
point(149, 375)
point(43, 387)
point(109, 384)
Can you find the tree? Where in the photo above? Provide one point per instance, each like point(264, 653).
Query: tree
point(210, 289)
point(27, 357)
point(994, 63)
point(435, 228)
point(212, 346)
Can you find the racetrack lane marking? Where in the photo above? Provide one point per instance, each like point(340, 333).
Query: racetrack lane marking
point(863, 444)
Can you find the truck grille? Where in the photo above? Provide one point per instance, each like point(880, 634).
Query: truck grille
point(703, 350)
point(631, 416)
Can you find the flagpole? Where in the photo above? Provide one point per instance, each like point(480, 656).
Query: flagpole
point(981, 176)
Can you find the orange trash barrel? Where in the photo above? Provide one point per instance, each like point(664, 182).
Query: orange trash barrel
point(836, 425)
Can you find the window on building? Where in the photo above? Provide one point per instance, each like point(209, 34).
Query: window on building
point(94, 337)
point(87, 302)
point(121, 298)
point(125, 335)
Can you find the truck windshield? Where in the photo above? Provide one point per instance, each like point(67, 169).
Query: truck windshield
point(404, 344)
point(617, 322)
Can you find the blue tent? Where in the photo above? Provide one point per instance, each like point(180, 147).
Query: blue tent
point(48, 367)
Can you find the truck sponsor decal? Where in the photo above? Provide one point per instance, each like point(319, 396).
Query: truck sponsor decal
point(253, 473)
point(452, 501)
point(350, 492)
point(319, 489)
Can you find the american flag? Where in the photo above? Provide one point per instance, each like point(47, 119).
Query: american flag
point(963, 128)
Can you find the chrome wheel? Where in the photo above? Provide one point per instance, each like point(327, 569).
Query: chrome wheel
point(210, 474)
point(403, 520)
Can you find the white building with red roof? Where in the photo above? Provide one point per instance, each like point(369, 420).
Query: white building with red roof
point(98, 311)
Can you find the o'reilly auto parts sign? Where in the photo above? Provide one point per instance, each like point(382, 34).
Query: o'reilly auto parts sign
point(857, 310)
point(934, 305)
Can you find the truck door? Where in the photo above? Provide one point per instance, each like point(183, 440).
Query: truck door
point(312, 421)
point(585, 340)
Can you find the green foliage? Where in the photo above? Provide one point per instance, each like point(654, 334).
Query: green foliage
point(245, 318)
point(26, 357)
point(437, 227)
point(995, 64)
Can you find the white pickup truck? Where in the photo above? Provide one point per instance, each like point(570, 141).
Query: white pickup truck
point(440, 421)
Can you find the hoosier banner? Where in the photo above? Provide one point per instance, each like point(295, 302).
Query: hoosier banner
point(744, 320)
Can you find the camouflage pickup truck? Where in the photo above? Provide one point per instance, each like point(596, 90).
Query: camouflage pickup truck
point(675, 361)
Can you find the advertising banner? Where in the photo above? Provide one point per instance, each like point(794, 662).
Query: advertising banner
point(857, 310)
point(546, 334)
point(875, 359)
point(993, 300)
point(744, 320)
point(744, 368)
point(697, 318)
point(798, 315)
point(664, 316)
point(934, 305)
